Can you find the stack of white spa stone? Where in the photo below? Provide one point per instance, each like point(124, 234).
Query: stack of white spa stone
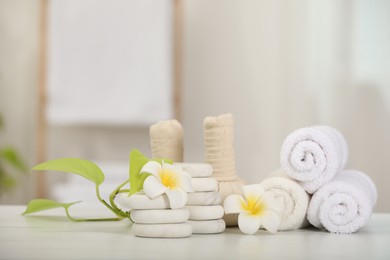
point(154, 218)
point(204, 204)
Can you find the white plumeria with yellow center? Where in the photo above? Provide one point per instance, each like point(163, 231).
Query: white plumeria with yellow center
point(256, 209)
point(168, 179)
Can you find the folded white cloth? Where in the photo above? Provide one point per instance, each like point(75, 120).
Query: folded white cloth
point(159, 216)
point(313, 155)
point(293, 199)
point(345, 204)
point(208, 227)
point(162, 230)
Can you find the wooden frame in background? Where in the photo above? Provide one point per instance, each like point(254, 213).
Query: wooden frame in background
point(41, 131)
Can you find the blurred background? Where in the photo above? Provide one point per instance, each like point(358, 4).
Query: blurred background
point(112, 68)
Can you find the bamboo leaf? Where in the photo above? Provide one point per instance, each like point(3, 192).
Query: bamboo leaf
point(84, 168)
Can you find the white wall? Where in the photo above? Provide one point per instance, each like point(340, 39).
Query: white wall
point(281, 65)
point(276, 65)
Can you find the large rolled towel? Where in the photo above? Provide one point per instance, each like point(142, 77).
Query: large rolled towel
point(345, 204)
point(293, 199)
point(313, 155)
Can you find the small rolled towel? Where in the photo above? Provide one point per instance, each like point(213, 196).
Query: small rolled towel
point(345, 204)
point(166, 140)
point(293, 198)
point(313, 155)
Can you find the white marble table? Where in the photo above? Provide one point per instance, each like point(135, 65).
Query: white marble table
point(49, 235)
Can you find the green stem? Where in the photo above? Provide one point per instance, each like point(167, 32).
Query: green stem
point(112, 197)
point(118, 213)
point(88, 219)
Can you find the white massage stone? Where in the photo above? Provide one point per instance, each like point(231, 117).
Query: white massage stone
point(141, 201)
point(162, 230)
point(204, 184)
point(204, 198)
point(196, 169)
point(159, 216)
point(205, 212)
point(208, 227)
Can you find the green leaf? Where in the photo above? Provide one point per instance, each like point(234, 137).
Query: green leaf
point(84, 168)
point(45, 204)
point(137, 161)
point(12, 157)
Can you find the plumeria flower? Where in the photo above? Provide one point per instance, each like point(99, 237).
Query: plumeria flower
point(168, 179)
point(256, 209)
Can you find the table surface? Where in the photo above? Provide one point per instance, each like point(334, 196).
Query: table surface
point(50, 235)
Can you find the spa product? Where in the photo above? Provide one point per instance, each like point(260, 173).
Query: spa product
point(219, 152)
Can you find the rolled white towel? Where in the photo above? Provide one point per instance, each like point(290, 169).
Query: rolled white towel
point(293, 199)
point(345, 204)
point(313, 155)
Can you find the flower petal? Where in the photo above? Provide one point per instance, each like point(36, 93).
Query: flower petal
point(153, 187)
point(153, 168)
point(254, 190)
point(177, 198)
point(270, 221)
point(170, 167)
point(233, 204)
point(248, 224)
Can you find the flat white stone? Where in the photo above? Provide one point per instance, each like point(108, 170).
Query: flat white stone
point(159, 216)
point(196, 169)
point(162, 230)
point(204, 198)
point(205, 212)
point(141, 201)
point(204, 184)
point(208, 226)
